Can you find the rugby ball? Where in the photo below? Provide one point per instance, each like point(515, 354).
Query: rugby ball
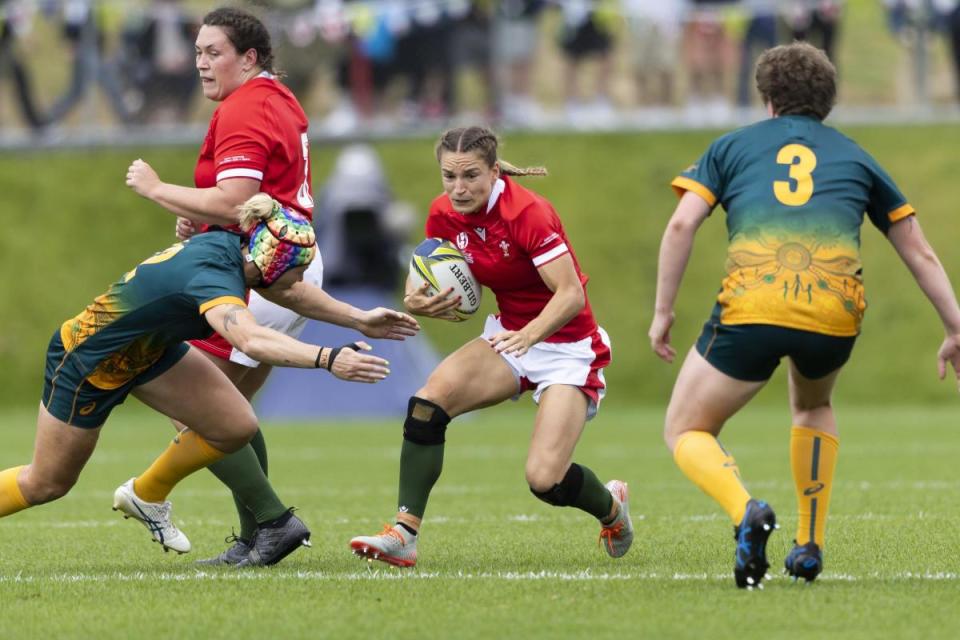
point(439, 263)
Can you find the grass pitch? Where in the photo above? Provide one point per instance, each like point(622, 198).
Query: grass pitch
point(494, 562)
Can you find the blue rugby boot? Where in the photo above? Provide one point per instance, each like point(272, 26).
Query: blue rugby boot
point(804, 561)
point(750, 559)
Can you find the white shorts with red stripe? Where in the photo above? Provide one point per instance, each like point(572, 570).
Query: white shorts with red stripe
point(579, 364)
point(267, 314)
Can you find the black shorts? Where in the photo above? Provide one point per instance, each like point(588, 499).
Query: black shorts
point(69, 397)
point(752, 351)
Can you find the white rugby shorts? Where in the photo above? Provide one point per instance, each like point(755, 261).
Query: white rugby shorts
point(276, 317)
point(579, 364)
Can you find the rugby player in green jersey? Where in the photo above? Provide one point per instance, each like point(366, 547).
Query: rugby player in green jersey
point(795, 192)
point(130, 340)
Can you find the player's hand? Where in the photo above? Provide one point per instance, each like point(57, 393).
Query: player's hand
point(185, 229)
point(142, 178)
point(515, 342)
point(359, 367)
point(660, 336)
point(949, 352)
point(387, 323)
point(440, 306)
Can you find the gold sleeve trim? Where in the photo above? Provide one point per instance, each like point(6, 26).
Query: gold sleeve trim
point(216, 302)
point(681, 185)
point(901, 212)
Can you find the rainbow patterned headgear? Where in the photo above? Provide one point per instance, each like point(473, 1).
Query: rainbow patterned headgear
point(280, 242)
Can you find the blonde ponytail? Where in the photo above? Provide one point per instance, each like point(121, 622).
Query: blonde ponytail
point(508, 169)
point(257, 208)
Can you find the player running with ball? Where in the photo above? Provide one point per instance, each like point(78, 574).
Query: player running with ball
point(795, 193)
point(543, 339)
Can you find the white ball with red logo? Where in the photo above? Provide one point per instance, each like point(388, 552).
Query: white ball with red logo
point(439, 263)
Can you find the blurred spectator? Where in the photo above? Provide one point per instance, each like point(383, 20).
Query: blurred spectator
point(816, 22)
point(585, 34)
point(761, 34)
point(300, 48)
point(157, 57)
point(515, 38)
point(707, 57)
point(470, 44)
point(359, 229)
point(423, 57)
point(15, 20)
point(951, 15)
point(367, 51)
point(82, 31)
point(655, 29)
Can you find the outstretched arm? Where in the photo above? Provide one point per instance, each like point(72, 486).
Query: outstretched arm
point(675, 248)
point(240, 328)
point(313, 302)
point(907, 238)
point(213, 205)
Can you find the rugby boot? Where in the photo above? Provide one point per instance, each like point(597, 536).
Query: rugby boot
point(804, 561)
point(617, 536)
point(394, 545)
point(273, 544)
point(155, 516)
point(750, 558)
point(234, 554)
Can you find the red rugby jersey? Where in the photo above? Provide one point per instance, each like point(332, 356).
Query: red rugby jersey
point(260, 131)
point(504, 246)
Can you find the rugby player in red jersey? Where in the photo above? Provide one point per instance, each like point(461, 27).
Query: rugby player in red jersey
point(256, 142)
point(544, 339)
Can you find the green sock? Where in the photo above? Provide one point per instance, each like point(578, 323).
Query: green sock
point(248, 521)
point(420, 466)
point(242, 473)
point(594, 498)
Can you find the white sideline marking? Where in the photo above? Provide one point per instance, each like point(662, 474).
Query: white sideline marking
point(398, 574)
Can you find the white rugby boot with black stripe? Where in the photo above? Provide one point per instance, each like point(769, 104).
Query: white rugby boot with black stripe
point(155, 516)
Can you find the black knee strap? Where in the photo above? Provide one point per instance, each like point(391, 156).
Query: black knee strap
point(565, 492)
point(426, 422)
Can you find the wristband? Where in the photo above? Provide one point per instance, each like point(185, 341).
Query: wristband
point(319, 362)
point(334, 352)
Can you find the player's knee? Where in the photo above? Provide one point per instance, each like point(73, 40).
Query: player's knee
point(241, 430)
point(437, 390)
point(426, 422)
point(542, 474)
point(42, 490)
point(560, 494)
point(799, 404)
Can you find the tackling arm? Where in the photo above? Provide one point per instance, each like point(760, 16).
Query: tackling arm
point(238, 326)
point(313, 302)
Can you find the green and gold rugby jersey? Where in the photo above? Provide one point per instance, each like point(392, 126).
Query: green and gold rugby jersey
point(158, 304)
point(795, 192)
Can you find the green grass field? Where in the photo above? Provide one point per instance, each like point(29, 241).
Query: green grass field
point(494, 562)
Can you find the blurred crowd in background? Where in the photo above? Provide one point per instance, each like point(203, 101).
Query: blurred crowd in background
point(390, 64)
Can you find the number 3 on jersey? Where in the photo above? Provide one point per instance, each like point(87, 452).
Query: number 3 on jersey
point(802, 162)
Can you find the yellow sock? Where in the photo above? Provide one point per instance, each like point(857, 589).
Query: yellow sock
point(813, 457)
point(11, 499)
point(702, 459)
point(187, 453)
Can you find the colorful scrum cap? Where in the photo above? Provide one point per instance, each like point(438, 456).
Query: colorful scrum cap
point(281, 242)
